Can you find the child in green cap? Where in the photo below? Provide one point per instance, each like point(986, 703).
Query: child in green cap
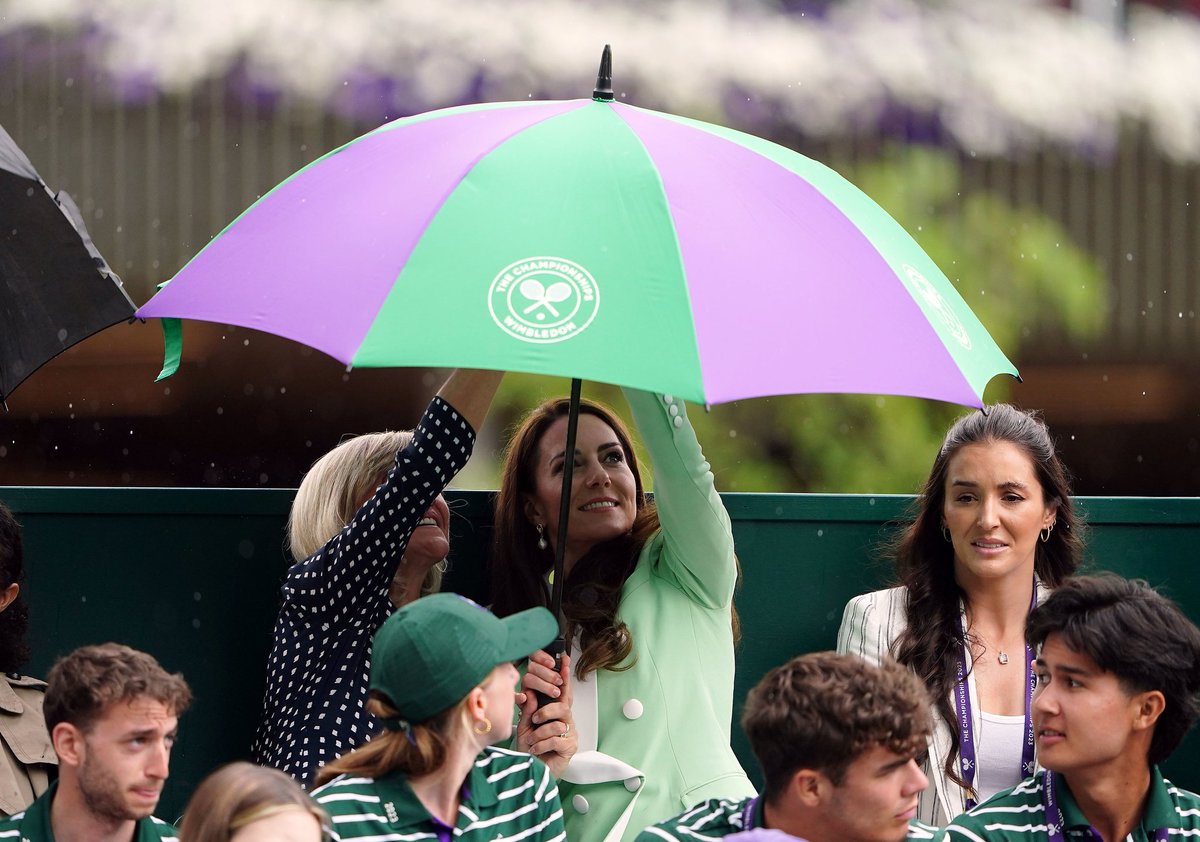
point(444, 685)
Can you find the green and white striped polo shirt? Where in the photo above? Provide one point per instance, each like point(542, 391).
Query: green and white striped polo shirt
point(1019, 814)
point(33, 824)
point(507, 796)
point(719, 817)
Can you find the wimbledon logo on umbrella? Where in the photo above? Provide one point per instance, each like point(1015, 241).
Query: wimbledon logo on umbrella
point(543, 299)
point(939, 304)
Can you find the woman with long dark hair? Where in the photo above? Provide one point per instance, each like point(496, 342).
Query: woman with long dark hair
point(648, 600)
point(26, 754)
point(994, 528)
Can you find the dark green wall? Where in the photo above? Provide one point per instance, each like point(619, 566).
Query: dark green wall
point(192, 576)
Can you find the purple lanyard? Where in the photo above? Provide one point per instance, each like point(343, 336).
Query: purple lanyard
point(1055, 828)
point(748, 814)
point(966, 735)
point(444, 831)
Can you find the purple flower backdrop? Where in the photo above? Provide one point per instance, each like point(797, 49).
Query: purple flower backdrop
point(992, 77)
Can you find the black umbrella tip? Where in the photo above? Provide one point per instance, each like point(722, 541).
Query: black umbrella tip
point(604, 91)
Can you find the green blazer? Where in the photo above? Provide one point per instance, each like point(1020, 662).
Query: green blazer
point(654, 739)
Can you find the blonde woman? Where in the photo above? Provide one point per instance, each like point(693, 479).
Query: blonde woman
point(444, 685)
point(368, 529)
point(242, 802)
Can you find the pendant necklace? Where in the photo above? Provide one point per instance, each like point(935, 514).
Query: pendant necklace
point(962, 698)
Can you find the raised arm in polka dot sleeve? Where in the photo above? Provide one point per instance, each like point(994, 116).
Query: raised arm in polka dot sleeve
point(334, 601)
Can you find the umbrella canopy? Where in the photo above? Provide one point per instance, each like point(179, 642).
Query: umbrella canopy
point(55, 288)
point(593, 239)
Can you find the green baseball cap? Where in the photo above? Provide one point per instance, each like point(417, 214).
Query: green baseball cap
point(430, 654)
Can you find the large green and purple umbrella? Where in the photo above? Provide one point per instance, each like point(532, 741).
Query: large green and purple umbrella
point(592, 239)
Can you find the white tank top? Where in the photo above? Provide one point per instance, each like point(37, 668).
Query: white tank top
point(998, 753)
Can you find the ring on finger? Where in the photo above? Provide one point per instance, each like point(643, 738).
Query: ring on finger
point(566, 732)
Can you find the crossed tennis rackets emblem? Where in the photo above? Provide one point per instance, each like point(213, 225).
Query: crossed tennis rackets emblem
point(543, 297)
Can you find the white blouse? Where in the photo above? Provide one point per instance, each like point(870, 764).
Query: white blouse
point(998, 757)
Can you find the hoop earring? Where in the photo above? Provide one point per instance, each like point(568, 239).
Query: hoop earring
point(542, 542)
point(1045, 533)
point(946, 533)
point(487, 729)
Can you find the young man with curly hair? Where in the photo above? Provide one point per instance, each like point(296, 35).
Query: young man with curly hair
point(1118, 670)
point(112, 713)
point(839, 742)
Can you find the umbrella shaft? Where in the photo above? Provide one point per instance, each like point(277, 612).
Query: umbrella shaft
point(564, 505)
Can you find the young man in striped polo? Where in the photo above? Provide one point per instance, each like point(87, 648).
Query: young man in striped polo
point(838, 740)
point(113, 713)
point(1118, 671)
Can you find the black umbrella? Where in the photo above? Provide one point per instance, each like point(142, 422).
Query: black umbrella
point(55, 288)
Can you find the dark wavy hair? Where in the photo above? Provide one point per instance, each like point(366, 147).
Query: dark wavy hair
point(592, 591)
point(14, 620)
point(932, 641)
point(821, 711)
point(1135, 633)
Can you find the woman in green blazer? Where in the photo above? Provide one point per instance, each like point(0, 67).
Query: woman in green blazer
point(649, 604)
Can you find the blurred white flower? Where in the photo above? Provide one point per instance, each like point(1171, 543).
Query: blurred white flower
point(996, 76)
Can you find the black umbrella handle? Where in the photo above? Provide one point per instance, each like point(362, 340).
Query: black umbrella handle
point(559, 645)
point(555, 649)
point(559, 580)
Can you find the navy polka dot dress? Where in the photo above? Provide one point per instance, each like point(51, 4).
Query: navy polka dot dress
point(333, 602)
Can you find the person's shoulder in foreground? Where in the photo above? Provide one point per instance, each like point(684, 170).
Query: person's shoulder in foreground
point(838, 740)
point(386, 808)
point(33, 824)
point(1118, 672)
point(1020, 813)
point(714, 818)
point(26, 755)
point(737, 820)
